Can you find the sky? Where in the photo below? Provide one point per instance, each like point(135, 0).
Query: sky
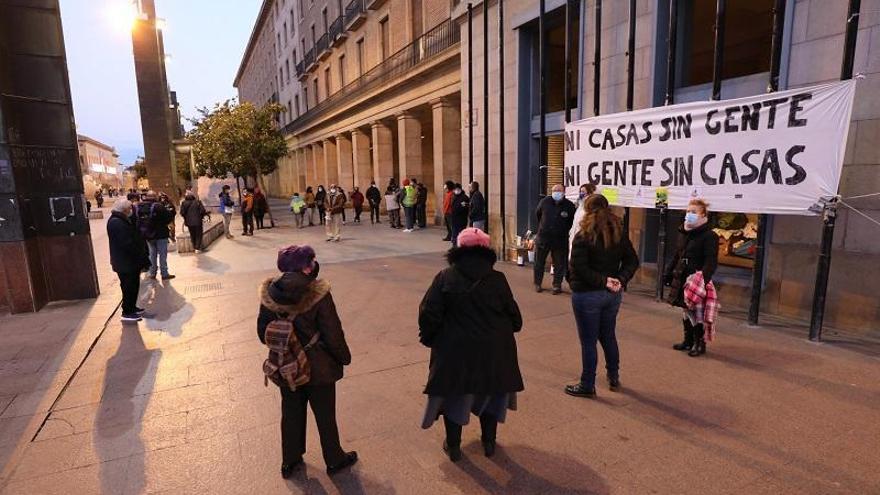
point(205, 38)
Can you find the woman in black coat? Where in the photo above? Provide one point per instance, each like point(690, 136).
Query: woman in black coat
point(321, 204)
point(460, 212)
point(697, 252)
point(468, 318)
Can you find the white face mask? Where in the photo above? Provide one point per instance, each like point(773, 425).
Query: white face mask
point(333, 191)
point(458, 191)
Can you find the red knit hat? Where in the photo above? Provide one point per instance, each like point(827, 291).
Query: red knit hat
point(405, 182)
point(472, 237)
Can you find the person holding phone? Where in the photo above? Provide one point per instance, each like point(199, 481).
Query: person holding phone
point(602, 262)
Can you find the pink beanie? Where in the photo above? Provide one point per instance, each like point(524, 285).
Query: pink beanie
point(473, 237)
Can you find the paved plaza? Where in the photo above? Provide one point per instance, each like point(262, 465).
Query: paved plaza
point(177, 403)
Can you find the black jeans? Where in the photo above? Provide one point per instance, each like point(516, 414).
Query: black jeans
point(260, 217)
point(195, 235)
point(247, 222)
point(322, 212)
point(322, 400)
point(559, 250)
point(448, 226)
point(130, 283)
point(374, 213)
point(422, 215)
point(488, 427)
point(357, 213)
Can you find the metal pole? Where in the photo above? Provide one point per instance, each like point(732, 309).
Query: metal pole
point(542, 61)
point(670, 97)
point(718, 61)
point(470, 71)
point(761, 246)
point(486, 109)
point(501, 160)
point(630, 81)
point(824, 267)
point(569, 40)
point(597, 58)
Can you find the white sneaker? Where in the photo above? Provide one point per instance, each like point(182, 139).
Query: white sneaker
point(131, 318)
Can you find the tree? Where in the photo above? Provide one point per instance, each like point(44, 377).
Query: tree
point(139, 169)
point(238, 139)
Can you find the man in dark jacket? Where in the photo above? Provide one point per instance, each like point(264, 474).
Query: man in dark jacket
point(227, 206)
point(422, 206)
point(555, 216)
point(374, 197)
point(153, 219)
point(299, 295)
point(477, 215)
point(357, 202)
point(460, 209)
point(127, 256)
point(193, 212)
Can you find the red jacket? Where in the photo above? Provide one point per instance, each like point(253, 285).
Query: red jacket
point(447, 203)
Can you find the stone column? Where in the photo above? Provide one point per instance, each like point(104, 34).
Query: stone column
point(344, 162)
point(318, 163)
point(447, 147)
point(308, 166)
point(409, 145)
point(383, 154)
point(363, 169)
point(331, 169)
point(301, 168)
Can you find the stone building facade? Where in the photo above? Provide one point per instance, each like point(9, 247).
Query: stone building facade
point(99, 161)
point(256, 79)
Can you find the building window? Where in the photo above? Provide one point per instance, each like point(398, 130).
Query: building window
point(280, 77)
point(285, 35)
point(294, 57)
point(306, 98)
point(303, 42)
point(279, 40)
point(287, 69)
point(341, 71)
point(326, 82)
point(289, 111)
point(385, 39)
point(296, 105)
point(324, 16)
point(313, 35)
point(360, 56)
point(315, 88)
point(747, 39)
point(292, 23)
point(555, 45)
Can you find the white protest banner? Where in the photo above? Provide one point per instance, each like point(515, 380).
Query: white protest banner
point(772, 153)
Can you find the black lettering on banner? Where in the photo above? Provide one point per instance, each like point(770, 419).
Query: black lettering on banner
point(669, 177)
point(593, 177)
point(667, 129)
point(729, 126)
point(620, 173)
point(684, 126)
point(594, 144)
point(799, 173)
point(771, 164)
point(712, 127)
point(707, 179)
point(569, 177)
point(684, 172)
point(633, 166)
point(609, 138)
point(606, 172)
point(753, 174)
point(795, 107)
point(621, 135)
point(569, 140)
point(771, 114)
point(647, 128)
point(728, 166)
point(632, 136)
point(751, 117)
point(646, 171)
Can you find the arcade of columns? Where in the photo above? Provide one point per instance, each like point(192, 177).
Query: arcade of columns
point(428, 141)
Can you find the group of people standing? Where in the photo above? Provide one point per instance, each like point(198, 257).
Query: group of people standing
point(462, 210)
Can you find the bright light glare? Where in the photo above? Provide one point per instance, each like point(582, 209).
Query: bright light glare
point(161, 25)
point(121, 15)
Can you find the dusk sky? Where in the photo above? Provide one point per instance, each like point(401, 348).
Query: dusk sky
point(205, 39)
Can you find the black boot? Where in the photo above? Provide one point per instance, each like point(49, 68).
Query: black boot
point(688, 342)
point(699, 344)
point(489, 428)
point(452, 444)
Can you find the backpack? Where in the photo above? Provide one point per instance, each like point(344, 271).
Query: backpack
point(145, 223)
point(287, 364)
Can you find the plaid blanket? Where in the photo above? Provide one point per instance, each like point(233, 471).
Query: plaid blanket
point(701, 301)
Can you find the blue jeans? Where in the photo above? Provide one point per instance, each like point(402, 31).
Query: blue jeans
point(596, 315)
point(409, 213)
point(158, 249)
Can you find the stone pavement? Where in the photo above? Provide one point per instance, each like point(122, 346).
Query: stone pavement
point(177, 403)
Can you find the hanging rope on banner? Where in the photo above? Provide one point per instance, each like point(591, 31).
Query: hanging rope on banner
point(863, 214)
point(863, 196)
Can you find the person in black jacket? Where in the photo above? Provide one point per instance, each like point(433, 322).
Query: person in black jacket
point(697, 252)
point(477, 214)
point(193, 212)
point(460, 211)
point(555, 217)
point(422, 206)
point(153, 219)
point(468, 318)
point(298, 294)
point(127, 257)
point(374, 197)
point(602, 262)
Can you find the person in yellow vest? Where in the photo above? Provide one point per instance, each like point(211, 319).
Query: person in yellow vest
point(410, 195)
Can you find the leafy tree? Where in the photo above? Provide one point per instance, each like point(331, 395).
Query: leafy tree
point(239, 139)
point(139, 169)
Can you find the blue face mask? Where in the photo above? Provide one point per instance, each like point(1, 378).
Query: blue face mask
point(691, 218)
point(557, 196)
point(582, 195)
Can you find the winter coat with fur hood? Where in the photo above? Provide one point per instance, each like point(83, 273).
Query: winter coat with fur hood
point(310, 303)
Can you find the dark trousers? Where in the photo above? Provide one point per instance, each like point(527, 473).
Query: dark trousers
point(595, 313)
point(448, 227)
point(247, 222)
point(409, 214)
point(374, 213)
point(130, 283)
point(488, 427)
point(357, 213)
point(560, 261)
point(259, 217)
point(322, 212)
point(422, 215)
point(322, 400)
point(195, 235)
point(456, 229)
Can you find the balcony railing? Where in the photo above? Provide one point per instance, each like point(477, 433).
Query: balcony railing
point(310, 60)
point(355, 14)
point(300, 69)
point(322, 46)
point(434, 42)
point(337, 32)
